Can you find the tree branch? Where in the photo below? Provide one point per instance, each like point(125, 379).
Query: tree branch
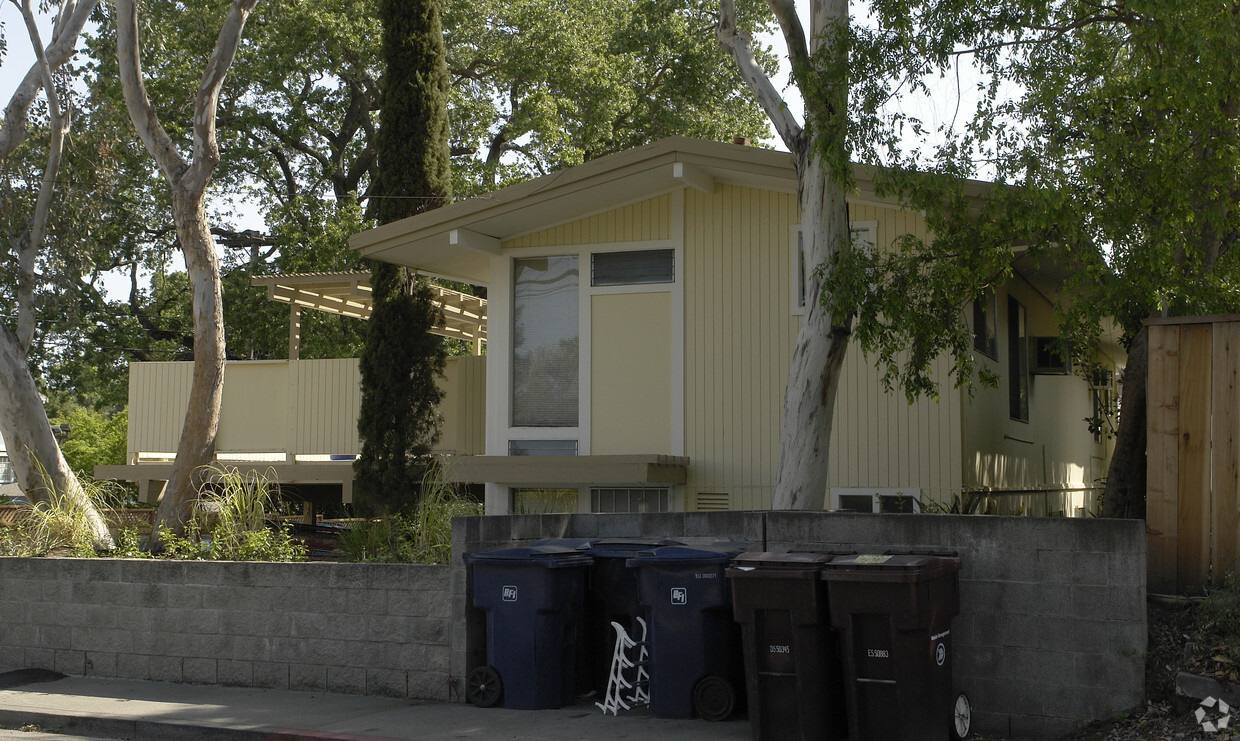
point(137, 101)
point(737, 44)
point(206, 151)
point(33, 239)
point(69, 22)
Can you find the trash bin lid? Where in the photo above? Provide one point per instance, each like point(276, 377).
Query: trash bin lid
point(546, 556)
point(766, 565)
point(889, 567)
point(767, 560)
point(626, 547)
point(682, 554)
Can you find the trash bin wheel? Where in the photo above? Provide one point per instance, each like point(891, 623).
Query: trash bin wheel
point(714, 698)
point(484, 687)
point(962, 717)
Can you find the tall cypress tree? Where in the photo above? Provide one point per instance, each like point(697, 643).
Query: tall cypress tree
point(398, 421)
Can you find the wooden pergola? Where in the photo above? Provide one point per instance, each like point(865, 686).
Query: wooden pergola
point(349, 294)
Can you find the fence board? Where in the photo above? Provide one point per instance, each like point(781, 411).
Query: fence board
point(1163, 435)
point(1225, 471)
point(1196, 364)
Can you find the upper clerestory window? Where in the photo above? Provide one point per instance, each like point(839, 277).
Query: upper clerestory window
point(632, 268)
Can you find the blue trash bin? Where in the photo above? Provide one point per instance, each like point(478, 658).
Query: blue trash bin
point(533, 600)
point(696, 666)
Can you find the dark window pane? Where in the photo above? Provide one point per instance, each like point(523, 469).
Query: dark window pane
point(631, 268)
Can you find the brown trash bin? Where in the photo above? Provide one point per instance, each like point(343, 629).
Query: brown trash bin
point(792, 664)
point(894, 614)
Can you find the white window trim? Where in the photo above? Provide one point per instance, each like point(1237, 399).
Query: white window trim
point(499, 351)
point(797, 252)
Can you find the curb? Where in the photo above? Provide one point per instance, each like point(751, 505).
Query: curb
point(125, 728)
point(146, 730)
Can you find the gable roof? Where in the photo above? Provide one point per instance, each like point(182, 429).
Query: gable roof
point(457, 240)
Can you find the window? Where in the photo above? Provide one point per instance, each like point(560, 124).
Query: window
point(985, 316)
point(1049, 358)
point(6, 471)
point(1018, 362)
point(542, 447)
point(854, 499)
point(633, 499)
point(543, 501)
point(864, 235)
point(632, 268)
point(545, 342)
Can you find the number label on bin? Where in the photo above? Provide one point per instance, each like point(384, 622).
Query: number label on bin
point(508, 593)
point(680, 596)
point(777, 649)
point(877, 653)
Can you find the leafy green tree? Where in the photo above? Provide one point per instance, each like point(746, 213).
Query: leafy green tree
point(401, 361)
point(95, 439)
point(1118, 158)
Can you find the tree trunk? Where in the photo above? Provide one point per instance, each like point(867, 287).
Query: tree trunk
point(1125, 489)
point(187, 181)
point(814, 375)
point(40, 468)
point(202, 415)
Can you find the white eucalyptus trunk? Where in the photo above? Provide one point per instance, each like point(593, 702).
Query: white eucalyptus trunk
point(822, 340)
point(814, 374)
point(40, 467)
point(187, 181)
point(36, 458)
point(196, 447)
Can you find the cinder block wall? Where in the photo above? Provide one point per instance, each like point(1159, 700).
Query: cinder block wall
point(375, 629)
point(1052, 629)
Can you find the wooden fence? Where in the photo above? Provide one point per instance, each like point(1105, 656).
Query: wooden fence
point(1193, 452)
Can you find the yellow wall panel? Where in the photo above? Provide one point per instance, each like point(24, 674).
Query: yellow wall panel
point(638, 222)
point(631, 378)
point(304, 407)
point(739, 335)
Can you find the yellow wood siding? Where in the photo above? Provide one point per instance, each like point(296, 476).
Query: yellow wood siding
point(739, 335)
point(255, 408)
point(312, 403)
point(324, 415)
point(464, 405)
point(638, 222)
point(158, 393)
point(630, 369)
point(739, 331)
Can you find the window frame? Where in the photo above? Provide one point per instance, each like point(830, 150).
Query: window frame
point(1018, 361)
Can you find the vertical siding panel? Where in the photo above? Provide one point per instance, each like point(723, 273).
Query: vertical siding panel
point(1226, 450)
point(1162, 501)
point(1194, 452)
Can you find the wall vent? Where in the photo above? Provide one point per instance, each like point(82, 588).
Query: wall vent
point(713, 501)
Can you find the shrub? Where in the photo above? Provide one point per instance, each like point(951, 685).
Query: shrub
point(423, 535)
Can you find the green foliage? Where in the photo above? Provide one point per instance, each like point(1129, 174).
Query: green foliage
point(95, 439)
point(230, 522)
point(398, 421)
point(420, 535)
point(55, 525)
